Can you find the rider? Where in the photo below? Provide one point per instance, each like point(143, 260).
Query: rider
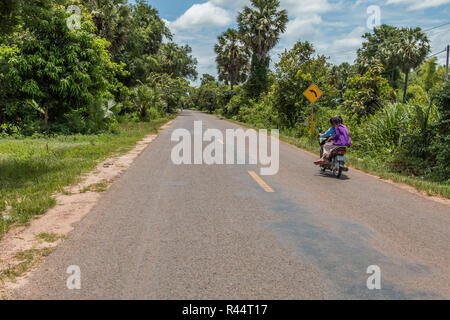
point(340, 139)
point(330, 132)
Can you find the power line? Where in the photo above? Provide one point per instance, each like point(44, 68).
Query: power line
point(375, 45)
point(437, 53)
point(429, 29)
point(437, 33)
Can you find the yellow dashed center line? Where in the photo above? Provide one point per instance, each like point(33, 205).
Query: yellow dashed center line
point(260, 181)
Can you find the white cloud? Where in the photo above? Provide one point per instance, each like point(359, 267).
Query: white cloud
point(234, 4)
point(419, 4)
point(302, 27)
point(351, 41)
point(428, 4)
point(305, 19)
point(203, 15)
point(359, 2)
point(342, 49)
point(300, 7)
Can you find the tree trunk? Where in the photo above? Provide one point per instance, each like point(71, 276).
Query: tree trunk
point(406, 86)
point(143, 113)
point(46, 117)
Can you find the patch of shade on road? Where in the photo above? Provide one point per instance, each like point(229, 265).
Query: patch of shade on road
point(343, 251)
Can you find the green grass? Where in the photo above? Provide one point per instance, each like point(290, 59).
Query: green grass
point(33, 169)
point(97, 187)
point(49, 237)
point(28, 259)
point(367, 165)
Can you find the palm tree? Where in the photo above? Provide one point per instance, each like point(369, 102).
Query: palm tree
point(142, 99)
point(111, 18)
point(411, 49)
point(232, 58)
point(260, 27)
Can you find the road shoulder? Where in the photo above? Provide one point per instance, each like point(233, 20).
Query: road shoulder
point(24, 248)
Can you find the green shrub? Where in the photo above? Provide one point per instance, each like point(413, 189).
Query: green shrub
point(368, 93)
point(238, 100)
point(153, 114)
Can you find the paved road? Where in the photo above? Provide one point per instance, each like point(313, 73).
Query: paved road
point(212, 232)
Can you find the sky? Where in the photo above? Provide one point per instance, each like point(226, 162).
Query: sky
point(334, 27)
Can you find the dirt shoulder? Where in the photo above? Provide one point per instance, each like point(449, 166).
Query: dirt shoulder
point(23, 248)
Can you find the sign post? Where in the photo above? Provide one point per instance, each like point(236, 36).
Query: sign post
point(313, 94)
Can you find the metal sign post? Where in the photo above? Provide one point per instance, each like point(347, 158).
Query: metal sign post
point(313, 93)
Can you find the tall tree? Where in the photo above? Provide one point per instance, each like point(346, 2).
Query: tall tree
point(8, 16)
point(112, 19)
point(261, 26)
point(177, 61)
point(144, 39)
point(207, 93)
point(411, 50)
point(430, 74)
point(232, 58)
point(341, 73)
point(377, 48)
point(15, 14)
point(64, 71)
point(396, 49)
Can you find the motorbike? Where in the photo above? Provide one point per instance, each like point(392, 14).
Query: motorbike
point(336, 161)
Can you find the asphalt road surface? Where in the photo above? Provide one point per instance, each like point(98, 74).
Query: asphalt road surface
point(164, 231)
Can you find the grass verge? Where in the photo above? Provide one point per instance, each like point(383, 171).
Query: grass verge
point(381, 170)
point(97, 187)
point(27, 260)
point(49, 237)
point(32, 170)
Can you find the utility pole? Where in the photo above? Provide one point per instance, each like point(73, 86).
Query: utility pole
point(446, 68)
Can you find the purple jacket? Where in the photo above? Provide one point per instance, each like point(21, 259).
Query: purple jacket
point(342, 137)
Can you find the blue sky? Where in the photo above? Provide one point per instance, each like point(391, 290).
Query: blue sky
point(333, 26)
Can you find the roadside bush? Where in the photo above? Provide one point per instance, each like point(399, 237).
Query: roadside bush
point(132, 117)
point(383, 132)
point(368, 93)
point(238, 100)
point(441, 143)
point(260, 114)
point(153, 114)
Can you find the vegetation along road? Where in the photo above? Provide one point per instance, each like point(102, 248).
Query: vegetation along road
point(166, 231)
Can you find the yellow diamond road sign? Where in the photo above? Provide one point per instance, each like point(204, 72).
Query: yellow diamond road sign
point(312, 93)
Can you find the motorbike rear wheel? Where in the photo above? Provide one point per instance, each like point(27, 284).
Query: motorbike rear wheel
point(337, 172)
